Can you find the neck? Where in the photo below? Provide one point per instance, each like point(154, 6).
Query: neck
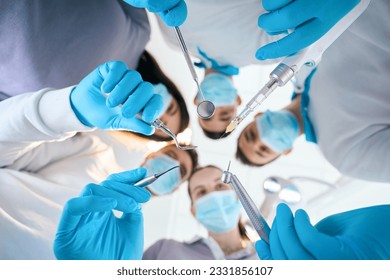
point(295, 108)
point(229, 242)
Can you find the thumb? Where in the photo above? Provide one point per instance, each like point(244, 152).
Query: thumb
point(176, 15)
point(320, 245)
point(75, 208)
point(263, 250)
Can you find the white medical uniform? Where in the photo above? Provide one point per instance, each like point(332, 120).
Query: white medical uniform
point(226, 30)
point(350, 97)
point(43, 163)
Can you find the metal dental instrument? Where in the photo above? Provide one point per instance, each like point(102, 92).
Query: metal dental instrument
point(289, 67)
point(157, 123)
point(206, 108)
point(258, 221)
point(150, 179)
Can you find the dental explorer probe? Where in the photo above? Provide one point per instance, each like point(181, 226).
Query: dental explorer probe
point(310, 56)
point(250, 208)
point(150, 179)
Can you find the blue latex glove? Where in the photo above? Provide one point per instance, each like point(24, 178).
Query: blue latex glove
point(358, 234)
point(172, 12)
point(308, 19)
point(123, 86)
point(208, 62)
point(88, 228)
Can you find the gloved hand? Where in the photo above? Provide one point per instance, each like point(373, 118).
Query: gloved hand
point(172, 12)
point(208, 62)
point(358, 234)
point(308, 19)
point(88, 228)
point(126, 87)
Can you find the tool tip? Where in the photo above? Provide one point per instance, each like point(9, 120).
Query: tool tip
point(232, 126)
point(162, 173)
point(229, 165)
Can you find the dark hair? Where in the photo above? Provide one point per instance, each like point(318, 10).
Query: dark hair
point(194, 159)
point(215, 135)
point(152, 73)
point(241, 227)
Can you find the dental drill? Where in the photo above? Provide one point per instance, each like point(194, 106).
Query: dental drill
point(250, 208)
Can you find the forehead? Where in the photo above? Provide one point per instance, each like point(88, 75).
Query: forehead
point(221, 119)
point(205, 176)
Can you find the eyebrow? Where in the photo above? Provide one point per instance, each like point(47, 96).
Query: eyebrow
point(225, 115)
point(224, 118)
point(183, 170)
point(170, 112)
point(246, 136)
point(252, 134)
point(197, 187)
point(259, 154)
point(171, 154)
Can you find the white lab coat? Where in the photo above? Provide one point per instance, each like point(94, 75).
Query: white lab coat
point(44, 162)
point(226, 30)
point(350, 97)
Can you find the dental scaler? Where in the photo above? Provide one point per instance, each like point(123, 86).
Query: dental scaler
point(289, 67)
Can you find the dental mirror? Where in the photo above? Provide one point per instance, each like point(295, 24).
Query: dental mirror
point(206, 109)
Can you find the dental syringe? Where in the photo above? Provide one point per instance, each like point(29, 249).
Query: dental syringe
point(289, 67)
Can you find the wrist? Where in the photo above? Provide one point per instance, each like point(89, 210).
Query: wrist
point(76, 112)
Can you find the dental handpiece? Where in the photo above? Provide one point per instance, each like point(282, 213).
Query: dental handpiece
point(150, 179)
point(289, 67)
point(254, 215)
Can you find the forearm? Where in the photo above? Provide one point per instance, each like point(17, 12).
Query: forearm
point(32, 118)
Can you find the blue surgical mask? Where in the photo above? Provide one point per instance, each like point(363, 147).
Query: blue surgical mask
point(218, 89)
point(278, 130)
point(167, 182)
point(166, 96)
point(218, 211)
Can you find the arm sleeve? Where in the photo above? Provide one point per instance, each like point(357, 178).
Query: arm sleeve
point(153, 251)
point(370, 158)
point(139, 18)
point(30, 119)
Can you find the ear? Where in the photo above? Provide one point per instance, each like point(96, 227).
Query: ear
point(238, 100)
point(286, 152)
point(258, 114)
